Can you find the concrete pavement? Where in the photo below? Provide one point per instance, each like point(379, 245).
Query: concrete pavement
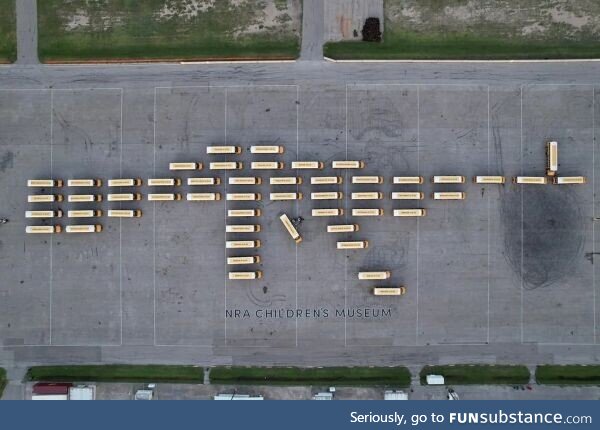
point(27, 32)
point(321, 87)
point(138, 83)
point(312, 30)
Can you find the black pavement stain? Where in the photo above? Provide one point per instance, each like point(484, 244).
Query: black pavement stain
point(552, 236)
point(7, 160)
point(384, 258)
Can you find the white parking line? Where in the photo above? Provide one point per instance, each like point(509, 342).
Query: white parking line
point(227, 86)
point(89, 89)
point(489, 217)
point(418, 220)
point(297, 201)
point(154, 218)
point(522, 227)
point(346, 218)
point(121, 226)
point(582, 61)
point(25, 89)
point(51, 236)
point(594, 205)
point(226, 269)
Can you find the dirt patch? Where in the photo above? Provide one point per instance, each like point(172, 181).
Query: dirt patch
point(253, 16)
point(275, 16)
point(344, 19)
point(77, 20)
point(505, 18)
point(186, 9)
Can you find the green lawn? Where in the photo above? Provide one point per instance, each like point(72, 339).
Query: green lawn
point(90, 30)
point(486, 29)
point(568, 375)
point(116, 373)
point(8, 30)
point(3, 381)
point(464, 374)
point(415, 47)
point(344, 376)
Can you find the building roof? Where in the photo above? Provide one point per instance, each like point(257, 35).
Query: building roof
point(42, 388)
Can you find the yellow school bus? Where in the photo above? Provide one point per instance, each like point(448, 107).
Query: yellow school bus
point(367, 212)
point(551, 158)
point(43, 229)
point(243, 212)
point(125, 182)
point(204, 181)
point(286, 180)
point(285, 196)
point(326, 180)
point(448, 195)
point(410, 212)
point(342, 228)
point(328, 212)
point(407, 180)
point(245, 276)
point(407, 195)
point(185, 166)
point(327, 195)
point(367, 195)
point(244, 196)
point(371, 276)
point(267, 149)
point(44, 183)
point(367, 179)
point(307, 165)
point(228, 149)
point(355, 244)
point(203, 197)
point(347, 164)
point(387, 291)
point(290, 228)
point(488, 180)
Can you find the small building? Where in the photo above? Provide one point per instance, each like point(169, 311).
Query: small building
point(435, 380)
point(323, 396)
point(144, 395)
point(82, 392)
point(51, 391)
point(235, 396)
point(394, 395)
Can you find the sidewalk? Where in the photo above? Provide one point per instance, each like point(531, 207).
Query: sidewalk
point(27, 32)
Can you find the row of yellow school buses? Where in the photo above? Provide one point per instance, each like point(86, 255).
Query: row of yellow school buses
point(379, 276)
point(79, 198)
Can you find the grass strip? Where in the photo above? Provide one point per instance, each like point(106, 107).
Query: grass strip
point(116, 373)
point(340, 376)
point(568, 375)
point(8, 31)
point(83, 48)
point(3, 381)
point(478, 374)
point(80, 30)
point(412, 46)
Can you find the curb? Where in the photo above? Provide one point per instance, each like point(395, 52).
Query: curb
point(583, 60)
point(185, 63)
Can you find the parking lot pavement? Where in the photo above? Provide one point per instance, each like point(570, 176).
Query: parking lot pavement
point(506, 275)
